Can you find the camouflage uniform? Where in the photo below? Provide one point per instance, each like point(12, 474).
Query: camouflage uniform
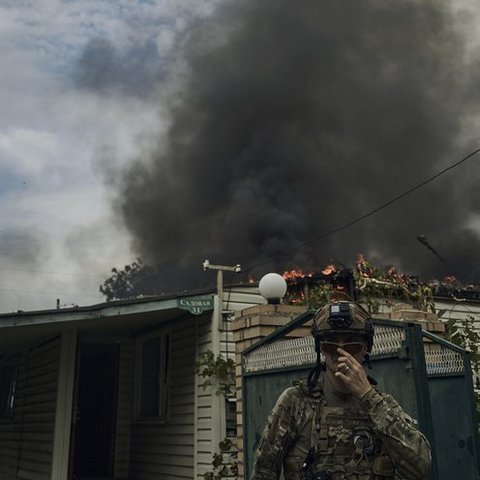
point(367, 439)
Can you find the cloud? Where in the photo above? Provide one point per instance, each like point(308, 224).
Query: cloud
point(90, 86)
point(21, 247)
point(68, 125)
point(27, 152)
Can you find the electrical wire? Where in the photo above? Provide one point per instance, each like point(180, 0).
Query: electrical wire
point(70, 274)
point(365, 215)
point(26, 292)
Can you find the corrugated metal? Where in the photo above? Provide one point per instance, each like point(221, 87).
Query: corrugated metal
point(166, 450)
point(26, 442)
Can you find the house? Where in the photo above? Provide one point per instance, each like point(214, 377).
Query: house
point(114, 383)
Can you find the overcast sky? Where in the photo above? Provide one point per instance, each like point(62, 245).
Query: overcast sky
point(65, 131)
point(84, 92)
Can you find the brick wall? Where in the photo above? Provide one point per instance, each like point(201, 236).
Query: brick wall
point(251, 325)
point(405, 312)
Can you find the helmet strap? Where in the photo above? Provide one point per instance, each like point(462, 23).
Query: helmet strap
point(319, 367)
point(367, 361)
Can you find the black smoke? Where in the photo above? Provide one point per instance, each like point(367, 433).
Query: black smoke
point(293, 118)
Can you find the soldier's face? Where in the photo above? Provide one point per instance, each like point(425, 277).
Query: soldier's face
point(353, 344)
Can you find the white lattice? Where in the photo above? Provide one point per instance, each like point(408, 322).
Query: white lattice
point(441, 359)
point(281, 354)
point(301, 351)
point(388, 339)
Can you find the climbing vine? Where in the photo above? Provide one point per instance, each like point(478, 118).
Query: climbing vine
point(219, 373)
point(224, 463)
point(464, 334)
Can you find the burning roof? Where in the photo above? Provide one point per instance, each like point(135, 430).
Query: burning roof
point(367, 279)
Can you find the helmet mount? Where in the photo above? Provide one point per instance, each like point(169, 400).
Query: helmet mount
point(343, 317)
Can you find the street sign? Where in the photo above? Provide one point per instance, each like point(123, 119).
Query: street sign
point(196, 305)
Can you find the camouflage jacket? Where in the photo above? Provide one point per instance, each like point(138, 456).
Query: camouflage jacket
point(287, 438)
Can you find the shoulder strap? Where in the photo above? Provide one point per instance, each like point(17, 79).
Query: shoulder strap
point(316, 404)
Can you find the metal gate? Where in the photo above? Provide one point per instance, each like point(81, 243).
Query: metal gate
point(430, 378)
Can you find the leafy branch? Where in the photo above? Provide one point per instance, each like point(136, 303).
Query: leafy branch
point(224, 463)
point(220, 372)
point(217, 371)
point(464, 334)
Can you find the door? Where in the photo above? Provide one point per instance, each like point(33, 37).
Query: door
point(93, 434)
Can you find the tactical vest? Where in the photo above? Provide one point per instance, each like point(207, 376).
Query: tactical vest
point(342, 446)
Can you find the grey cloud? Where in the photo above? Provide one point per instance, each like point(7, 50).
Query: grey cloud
point(21, 247)
point(104, 68)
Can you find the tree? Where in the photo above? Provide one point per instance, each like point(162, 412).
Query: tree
point(135, 280)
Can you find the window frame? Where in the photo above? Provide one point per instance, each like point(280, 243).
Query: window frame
point(7, 395)
point(163, 374)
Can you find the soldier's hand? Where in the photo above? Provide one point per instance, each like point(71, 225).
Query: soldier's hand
point(352, 374)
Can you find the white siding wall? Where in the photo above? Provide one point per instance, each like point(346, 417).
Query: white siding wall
point(459, 310)
point(203, 405)
point(446, 309)
point(166, 450)
point(234, 299)
point(26, 443)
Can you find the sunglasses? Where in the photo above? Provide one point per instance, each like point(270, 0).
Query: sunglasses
point(353, 348)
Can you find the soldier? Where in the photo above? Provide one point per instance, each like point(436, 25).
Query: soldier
point(338, 425)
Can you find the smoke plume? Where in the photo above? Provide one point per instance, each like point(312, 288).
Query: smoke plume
point(290, 119)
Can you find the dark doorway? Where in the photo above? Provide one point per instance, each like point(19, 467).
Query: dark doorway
point(95, 411)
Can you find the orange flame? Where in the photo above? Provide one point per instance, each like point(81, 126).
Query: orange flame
point(329, 269)
point(295, 274)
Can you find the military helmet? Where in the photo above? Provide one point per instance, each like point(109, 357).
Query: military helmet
point(343, 317)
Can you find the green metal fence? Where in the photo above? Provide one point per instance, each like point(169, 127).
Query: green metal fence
point(430, 378)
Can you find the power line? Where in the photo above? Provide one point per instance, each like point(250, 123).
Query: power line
point(29, 292)
point(52, 273)
point(365, 215)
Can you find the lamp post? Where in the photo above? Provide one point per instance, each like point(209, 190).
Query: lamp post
point(273, 288)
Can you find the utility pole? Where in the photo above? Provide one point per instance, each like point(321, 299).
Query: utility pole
point(220, 269)
point(218, 402)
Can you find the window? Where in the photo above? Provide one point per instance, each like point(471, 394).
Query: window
point(152, 376)
point(7, 390)
point(231, 417)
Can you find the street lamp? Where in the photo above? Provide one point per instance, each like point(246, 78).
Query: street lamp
point(273, 288)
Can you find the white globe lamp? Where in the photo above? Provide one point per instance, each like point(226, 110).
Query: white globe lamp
point(273, 288)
